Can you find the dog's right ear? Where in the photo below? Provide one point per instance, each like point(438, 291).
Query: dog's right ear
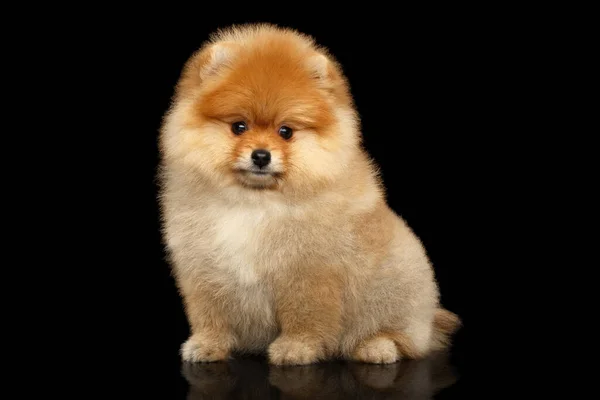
point(215, 57)
point(206, 63)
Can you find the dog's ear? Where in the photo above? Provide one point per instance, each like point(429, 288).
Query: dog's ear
point(320, 67)
point(324, 70)
point(207, 62)
point(216, 57)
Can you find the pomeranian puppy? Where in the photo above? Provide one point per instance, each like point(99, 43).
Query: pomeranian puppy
point(274, 217)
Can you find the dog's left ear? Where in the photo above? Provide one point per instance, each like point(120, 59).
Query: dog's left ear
point(319, 65)
point(324, 70)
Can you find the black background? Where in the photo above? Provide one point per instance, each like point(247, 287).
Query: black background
point(429, 88)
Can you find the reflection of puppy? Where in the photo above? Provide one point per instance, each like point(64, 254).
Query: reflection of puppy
point(246, 378)
point(275, 219)
point(209, 381)
point(253, 379)
point(415, 379)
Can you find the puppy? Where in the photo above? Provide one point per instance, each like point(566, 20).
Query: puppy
point(274, 217)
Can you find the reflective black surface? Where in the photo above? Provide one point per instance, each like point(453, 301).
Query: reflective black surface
point(254, 378)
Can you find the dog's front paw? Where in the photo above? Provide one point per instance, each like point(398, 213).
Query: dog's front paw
point(200, 348)
point(293, 351)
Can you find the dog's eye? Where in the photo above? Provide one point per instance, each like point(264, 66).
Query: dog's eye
point(285, 132)
point(239, 127)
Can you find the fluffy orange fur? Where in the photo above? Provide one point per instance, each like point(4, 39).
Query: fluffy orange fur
point(304, 261)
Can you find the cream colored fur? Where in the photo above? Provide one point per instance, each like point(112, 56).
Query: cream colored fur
point(319, 267)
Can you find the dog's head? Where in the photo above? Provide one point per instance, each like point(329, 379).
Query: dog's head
point(265, 108)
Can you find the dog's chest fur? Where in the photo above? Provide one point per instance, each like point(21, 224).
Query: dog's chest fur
point(247, 245)
point(236, 242)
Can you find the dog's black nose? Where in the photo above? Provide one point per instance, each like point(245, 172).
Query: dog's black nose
point(261, 157)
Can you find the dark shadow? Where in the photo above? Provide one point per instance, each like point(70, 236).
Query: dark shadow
point(253, 378)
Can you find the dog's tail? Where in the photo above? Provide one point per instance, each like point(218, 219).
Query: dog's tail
point(445, 324)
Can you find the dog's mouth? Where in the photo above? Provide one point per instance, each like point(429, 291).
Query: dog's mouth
point(258, 179)
point(258, 173)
